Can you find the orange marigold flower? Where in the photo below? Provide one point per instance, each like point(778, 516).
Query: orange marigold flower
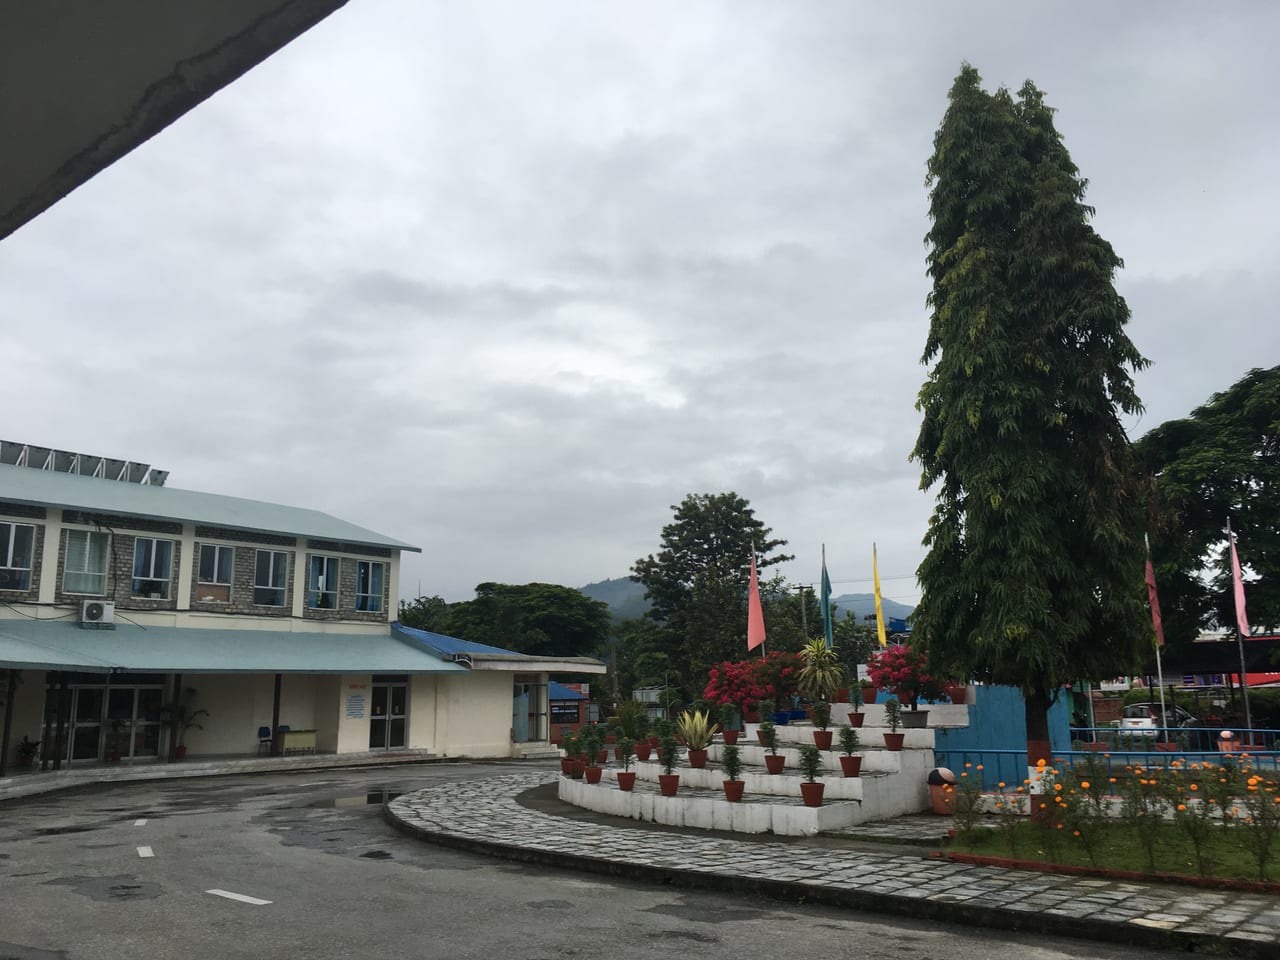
point(1057, 786)
point(1181, 807)
point(1084, 784)
point(1075, 833)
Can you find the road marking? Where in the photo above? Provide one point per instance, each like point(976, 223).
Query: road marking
point(145, 852)
point(140, 823)
point(239, 896)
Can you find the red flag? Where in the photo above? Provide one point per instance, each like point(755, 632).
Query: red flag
point(1241, 620)
point(755, 613)
point(1155, 604)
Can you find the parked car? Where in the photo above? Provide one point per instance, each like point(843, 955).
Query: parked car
point(1139, 717)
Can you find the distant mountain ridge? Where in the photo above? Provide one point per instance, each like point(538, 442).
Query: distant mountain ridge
point(626, 601)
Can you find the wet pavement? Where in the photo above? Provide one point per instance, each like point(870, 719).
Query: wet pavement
point(495, 816)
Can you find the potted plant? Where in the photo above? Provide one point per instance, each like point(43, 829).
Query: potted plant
point(821, 673)
point(849, 764)
point(28, 751)
point(626, 753)
point(766, 708)
point(856, 716)
point(187, 720)
point(697, 731)
point(957, 693)
point(567, 748)
point(591, 742)
point(893, 717)
point(822, 720)
point(769, 737)
point(728, 723)
point(668, 780)
point(732, 764)
point(902, 670)
point(573, 751)
point(867, 691)
point(811, 765)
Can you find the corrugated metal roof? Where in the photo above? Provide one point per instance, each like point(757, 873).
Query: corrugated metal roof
point(450, 645)
point(484, 656)
point(65, 645)
point(558, 691)
point(68, 491)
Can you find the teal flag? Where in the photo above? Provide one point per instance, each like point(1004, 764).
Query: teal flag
point(826, 601)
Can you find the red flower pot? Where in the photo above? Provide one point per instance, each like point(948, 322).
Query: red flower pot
point(852, 766)
point(626, 780)
point(812, 793)
point(577, 768)
point(697, 759)
point(594, 774)
point(602, 758)
point(868, 694)
point(855, 719)
point(893, 741)
point(775, 762)
point(642, 750)
point(566, 763)
point(822, 739)
point(667, 783)
point(730, 736)
point(958, 694)
point(733, 790)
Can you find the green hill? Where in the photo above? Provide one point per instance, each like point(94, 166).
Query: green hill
point(624, 596)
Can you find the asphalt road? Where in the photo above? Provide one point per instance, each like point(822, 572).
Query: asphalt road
point(126, 872)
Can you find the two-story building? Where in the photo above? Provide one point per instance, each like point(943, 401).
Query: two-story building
point(127, 605)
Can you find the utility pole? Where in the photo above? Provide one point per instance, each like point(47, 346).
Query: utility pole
point(800, 588)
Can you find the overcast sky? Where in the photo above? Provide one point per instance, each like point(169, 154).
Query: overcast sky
point(508, 280)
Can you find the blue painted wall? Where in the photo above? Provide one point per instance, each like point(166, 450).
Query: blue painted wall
point(997, 721)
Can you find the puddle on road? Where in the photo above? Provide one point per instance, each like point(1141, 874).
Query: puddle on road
point(368, 798)
point(16, 951)
point(108, 889)
point(376, 855)
point(55, 831)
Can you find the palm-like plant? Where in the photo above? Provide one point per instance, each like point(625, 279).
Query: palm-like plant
point(696, 729)
point(821, 675)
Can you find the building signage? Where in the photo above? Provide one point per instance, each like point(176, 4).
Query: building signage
point(355, 707)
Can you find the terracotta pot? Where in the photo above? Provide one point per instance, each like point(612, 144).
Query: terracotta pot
point(626, 779)
point(667, 783)
point(760, 737)
point(822, 739)
point(602, 758)
point(855, 719)
point(733, 790)
point(893, 741)
point(775, 762)
point(868, 694)
point(915, 719)
point(594, 774)
point(812, 793)
point(565, 764)
point(654, 740)
point(611, 739)
point(642, 750)
point(958, 694)
point(842, 695)
point(852, 766)
point(577, 768)
point(940, 799)
point(730, 736)
point(697, 759)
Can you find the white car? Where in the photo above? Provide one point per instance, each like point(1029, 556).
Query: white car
point(1145, 718)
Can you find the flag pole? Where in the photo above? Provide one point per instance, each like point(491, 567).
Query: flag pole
point(1164, 715)
point(1238, 583)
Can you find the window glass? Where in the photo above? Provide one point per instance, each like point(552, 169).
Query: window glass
point(151, 567)
point(216, 563)
point(85, 566)
point(322, 583)
point(369, 579)
point(17, 542)
point(270, 567)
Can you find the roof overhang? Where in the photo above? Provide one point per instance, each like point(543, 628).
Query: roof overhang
point(98, 79)
point(63, 645)
point(481, 656)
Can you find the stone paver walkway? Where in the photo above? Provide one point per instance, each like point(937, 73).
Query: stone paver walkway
point(483, 815)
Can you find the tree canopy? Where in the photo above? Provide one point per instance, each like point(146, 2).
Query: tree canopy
point(697, 583)
point(1033, 575)
point(1222, 461)
point(540, 619)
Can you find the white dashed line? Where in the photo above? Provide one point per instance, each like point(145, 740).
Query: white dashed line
point(239, 896)
point(145, 852)
point(140, 823)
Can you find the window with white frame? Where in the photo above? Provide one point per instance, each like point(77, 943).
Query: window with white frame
point(214, 572)
point(17, 546)
point(151, 564)
point(84, 569)
point(370, 576)
point(322, 583)
point(269, 571)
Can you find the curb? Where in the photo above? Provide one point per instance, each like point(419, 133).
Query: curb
point(1182, 879)
point(963, 913)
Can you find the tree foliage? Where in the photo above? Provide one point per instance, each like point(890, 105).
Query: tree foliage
point(1222, 461)
point(697, 582)
point(1033, 574)
point(540, 619)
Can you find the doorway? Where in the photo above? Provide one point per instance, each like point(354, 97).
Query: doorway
point(113, 721)
point(389, 712)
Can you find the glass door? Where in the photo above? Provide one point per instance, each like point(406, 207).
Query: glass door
point(85, 740)
point(389, 713)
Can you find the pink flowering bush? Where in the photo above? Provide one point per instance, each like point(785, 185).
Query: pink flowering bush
point(744, 683)
point(902, 670)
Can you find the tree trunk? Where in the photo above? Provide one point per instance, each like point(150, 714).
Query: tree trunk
point(1037, 721)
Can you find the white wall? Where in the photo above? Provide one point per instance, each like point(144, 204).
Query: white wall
point(478, 710)
point(238, 705)
point(352, 697)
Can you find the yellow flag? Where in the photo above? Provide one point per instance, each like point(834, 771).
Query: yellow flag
point(875, 573)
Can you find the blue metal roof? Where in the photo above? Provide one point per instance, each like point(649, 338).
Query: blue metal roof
point(558, 691)
point(94, 495)
point(449, 646)
point(65, 645)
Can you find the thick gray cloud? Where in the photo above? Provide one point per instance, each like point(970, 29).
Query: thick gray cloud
point(508, 280)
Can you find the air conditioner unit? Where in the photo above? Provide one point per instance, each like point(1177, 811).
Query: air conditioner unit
point(97, 613)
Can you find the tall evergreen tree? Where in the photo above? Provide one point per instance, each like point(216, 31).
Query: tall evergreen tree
point(1033, 575)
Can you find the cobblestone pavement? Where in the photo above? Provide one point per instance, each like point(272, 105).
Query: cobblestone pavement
point(484, 815)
